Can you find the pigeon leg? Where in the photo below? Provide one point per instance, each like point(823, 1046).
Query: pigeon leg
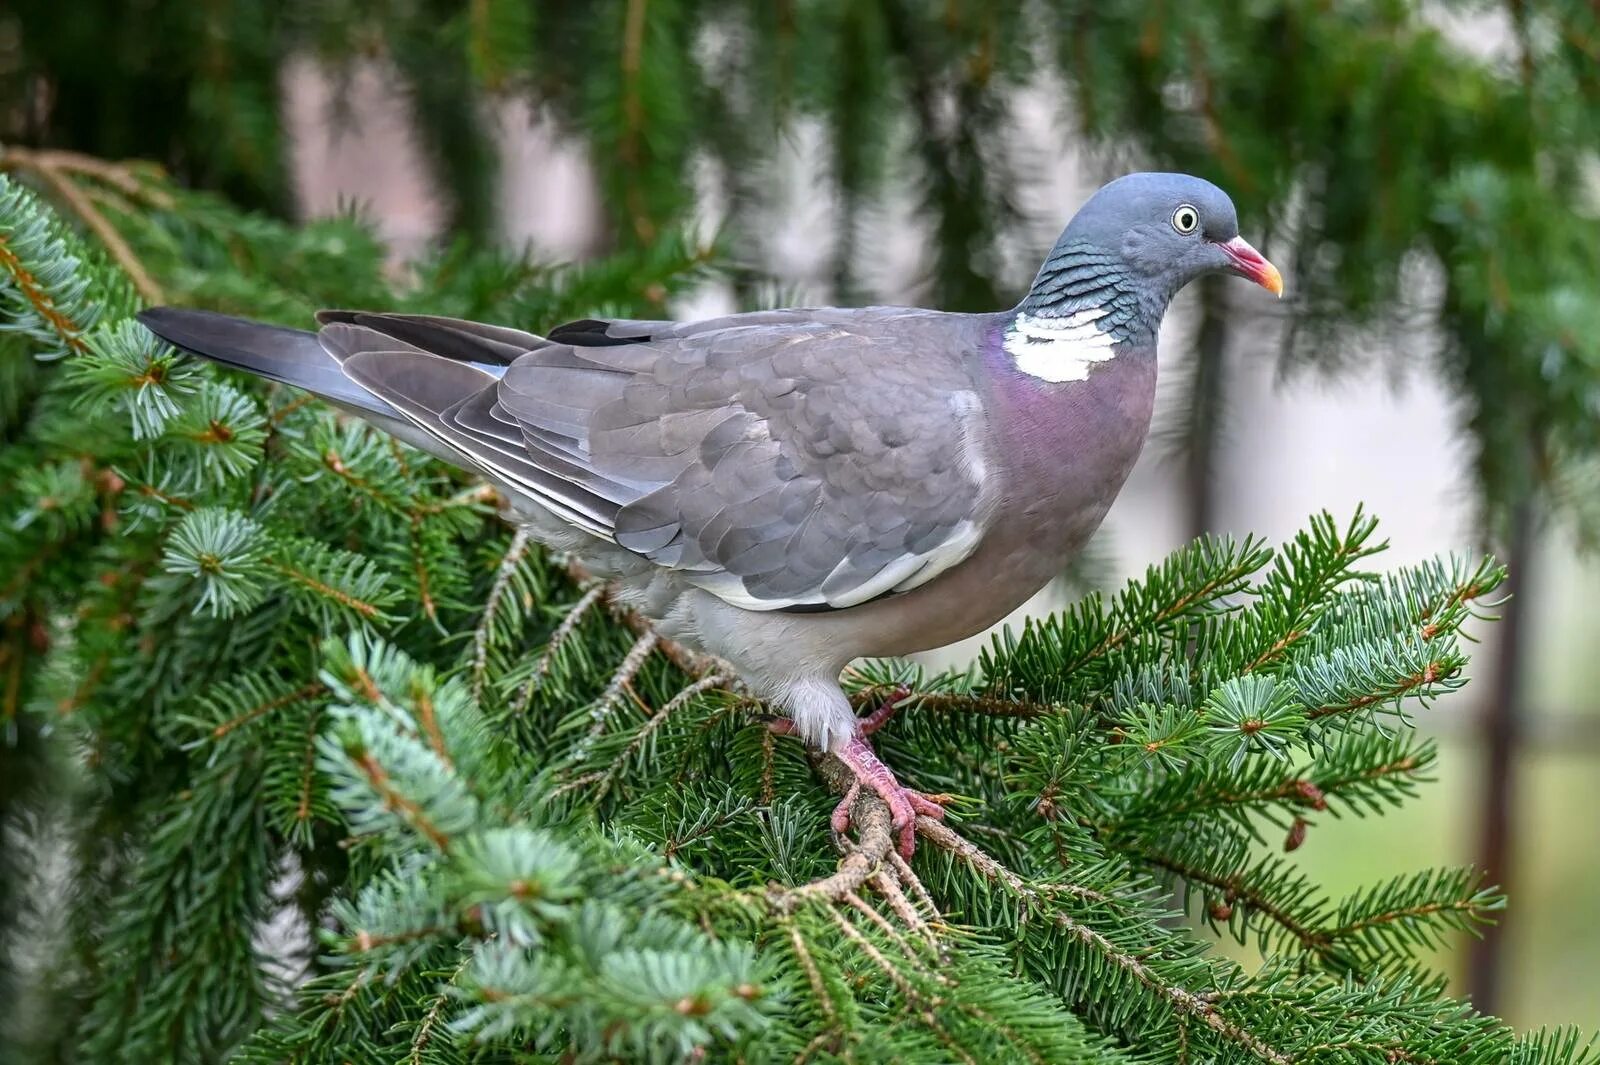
point(904, 803)
point(891, 706)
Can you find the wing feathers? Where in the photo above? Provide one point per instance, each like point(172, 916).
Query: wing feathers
point(782, 460)
point(449, 338)
point(424, 387)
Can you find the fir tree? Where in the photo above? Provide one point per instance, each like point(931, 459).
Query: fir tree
point(295, 678)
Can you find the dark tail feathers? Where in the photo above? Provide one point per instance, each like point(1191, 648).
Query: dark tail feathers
point(292, 356)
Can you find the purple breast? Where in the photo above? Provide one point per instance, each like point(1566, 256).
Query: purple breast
point(1068, 447)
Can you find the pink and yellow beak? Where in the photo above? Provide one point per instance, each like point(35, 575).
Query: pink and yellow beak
point(1247, 262)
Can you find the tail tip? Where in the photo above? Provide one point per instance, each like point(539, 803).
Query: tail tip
point(160, 320)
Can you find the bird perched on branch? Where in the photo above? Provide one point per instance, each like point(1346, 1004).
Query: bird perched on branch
point(790, 490)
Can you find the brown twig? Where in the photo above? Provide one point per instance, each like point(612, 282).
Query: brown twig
point(98, 224)
point(896, 899)
point(894, 895)
point(502, 580)
point(691, 662)
point(117, 175)
point(870, 815)
point(552, 647)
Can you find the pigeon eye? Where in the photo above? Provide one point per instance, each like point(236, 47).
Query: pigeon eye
point(1185, 219)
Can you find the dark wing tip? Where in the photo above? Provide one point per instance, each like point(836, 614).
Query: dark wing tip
point(590, 333)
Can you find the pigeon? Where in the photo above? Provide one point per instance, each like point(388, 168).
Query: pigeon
point(790, 490)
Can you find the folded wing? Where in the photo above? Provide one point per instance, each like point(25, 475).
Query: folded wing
point(787, 460)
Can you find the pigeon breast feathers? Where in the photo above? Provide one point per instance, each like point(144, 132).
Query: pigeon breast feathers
point(781, 460)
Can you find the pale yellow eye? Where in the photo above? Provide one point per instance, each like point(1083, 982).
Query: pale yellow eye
point(1185, 219)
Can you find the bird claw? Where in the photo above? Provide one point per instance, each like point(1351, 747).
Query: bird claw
point(839, 821)
point(905, 804)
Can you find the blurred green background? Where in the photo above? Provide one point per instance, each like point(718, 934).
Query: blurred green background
point(1423, 172)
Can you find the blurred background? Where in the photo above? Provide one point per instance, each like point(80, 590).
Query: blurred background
point(1424, 173)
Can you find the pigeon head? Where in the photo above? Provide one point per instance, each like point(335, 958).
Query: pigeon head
point(1165, 230)
point(1129, 250)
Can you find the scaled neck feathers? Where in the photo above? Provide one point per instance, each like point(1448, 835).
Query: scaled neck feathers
point(1084, 309)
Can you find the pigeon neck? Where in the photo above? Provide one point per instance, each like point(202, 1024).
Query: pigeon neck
point(1084, 308)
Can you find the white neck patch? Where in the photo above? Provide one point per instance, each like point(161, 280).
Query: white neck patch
point(1059, 349)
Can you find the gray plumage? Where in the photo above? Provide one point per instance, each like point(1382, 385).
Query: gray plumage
point(793, 489)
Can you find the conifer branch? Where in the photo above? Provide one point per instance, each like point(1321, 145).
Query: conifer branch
point(98, 224)
point(870, 815)
point(509, 562)
point(394, 801)
point(575, 614)
point(1235, 890)
point(1408, 685)
point(889, 887)
point(118, 175)
point(32, 243)
point(819, 989)
point(603, 707)
point(323, 589)
point(419, 568)
point(608, 777)
point(308, 691)
point(308, 764)
point(1192, 1003)
point(436, 1009)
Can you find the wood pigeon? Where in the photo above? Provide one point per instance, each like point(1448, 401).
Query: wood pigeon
point(793, 489)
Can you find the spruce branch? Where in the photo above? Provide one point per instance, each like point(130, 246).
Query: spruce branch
point(1238, 888)
point(558, 638)
point(640, 741)
point(870, 815)
point(54, 289)
point(502, 581)
point(53, 169)
point(1190, 1003)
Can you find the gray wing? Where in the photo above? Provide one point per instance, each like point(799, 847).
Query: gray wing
point(781, 460)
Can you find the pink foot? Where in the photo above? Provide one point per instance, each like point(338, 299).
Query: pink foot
point(904, 803)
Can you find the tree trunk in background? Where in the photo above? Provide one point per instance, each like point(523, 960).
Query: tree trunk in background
point(1502, 733)
point(1203, 423)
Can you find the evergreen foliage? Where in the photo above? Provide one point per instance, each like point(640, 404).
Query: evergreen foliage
point(344, 770)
